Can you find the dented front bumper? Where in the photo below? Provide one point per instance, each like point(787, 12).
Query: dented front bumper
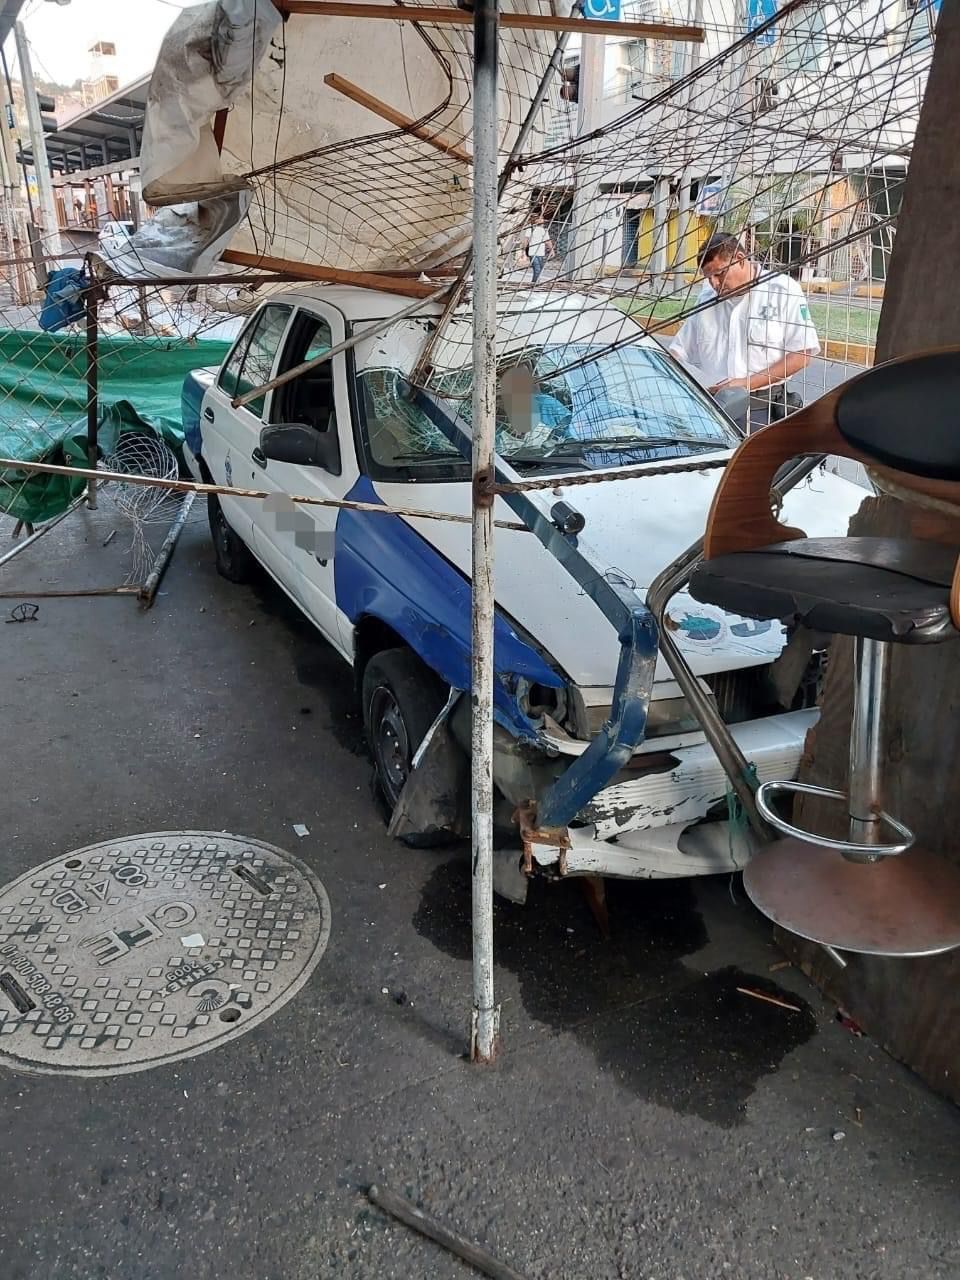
point(655, 825)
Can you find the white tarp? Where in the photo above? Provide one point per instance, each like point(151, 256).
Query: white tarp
point(203, 67)
point(305, 173)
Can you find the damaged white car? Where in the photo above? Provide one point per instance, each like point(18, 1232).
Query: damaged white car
point(598, 756)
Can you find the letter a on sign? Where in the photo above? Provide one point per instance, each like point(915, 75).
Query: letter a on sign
point(604, 10)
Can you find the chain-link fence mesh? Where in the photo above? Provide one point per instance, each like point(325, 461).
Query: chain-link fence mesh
point(620, 157)
point(794, 137)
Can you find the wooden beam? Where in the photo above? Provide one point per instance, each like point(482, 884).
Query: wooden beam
point(430, 15)
point(386, 112)
point(330, 275)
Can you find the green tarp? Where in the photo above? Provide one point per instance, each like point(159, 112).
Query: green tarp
point(43, 406)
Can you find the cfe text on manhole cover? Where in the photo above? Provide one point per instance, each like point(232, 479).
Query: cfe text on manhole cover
point(132, 953)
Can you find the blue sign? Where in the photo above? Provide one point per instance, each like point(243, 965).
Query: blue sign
point(602, 10)
point(759, 12)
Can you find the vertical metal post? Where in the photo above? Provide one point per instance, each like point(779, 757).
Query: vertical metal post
point(38, 146)
point(486, 1016)
point(93, 390)
point(35, 238)
point(865, 786)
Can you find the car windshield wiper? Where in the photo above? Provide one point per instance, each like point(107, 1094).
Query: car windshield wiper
point(628, 443)
point(544, 459)
point(441, 456)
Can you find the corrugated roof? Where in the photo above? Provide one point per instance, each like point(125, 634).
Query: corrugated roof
point(111, 131)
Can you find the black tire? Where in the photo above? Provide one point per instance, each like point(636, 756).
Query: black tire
point(401, 700)
point(234, 561)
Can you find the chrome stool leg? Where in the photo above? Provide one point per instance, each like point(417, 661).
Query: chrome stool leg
point(872, 665)
point(879, 897)
point(864, 794)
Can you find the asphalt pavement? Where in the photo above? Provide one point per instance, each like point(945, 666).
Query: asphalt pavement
point(646, 1120)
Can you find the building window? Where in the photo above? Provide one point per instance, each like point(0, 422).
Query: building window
point(634, 68)
point(804, 43)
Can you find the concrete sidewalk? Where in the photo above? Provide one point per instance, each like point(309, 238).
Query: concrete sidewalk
point(646, 1120)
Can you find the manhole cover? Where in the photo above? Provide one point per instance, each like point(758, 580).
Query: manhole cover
point(135, 952)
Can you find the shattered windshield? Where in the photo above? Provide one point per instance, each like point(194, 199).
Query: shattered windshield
point(621, 407)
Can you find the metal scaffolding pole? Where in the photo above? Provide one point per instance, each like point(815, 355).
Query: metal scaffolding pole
point(486, 1016)
point(93, 388)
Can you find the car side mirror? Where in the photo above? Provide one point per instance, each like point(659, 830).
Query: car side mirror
point(301, 445)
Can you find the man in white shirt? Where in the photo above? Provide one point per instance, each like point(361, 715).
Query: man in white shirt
point(538, 245)
point(756, 336)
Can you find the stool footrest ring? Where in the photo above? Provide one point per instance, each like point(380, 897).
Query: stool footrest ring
point(768, 790)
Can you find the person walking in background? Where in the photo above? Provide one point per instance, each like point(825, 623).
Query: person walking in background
point(538, 245)
point(756, 335)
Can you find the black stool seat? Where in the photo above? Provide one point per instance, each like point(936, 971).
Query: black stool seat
point(893, 589)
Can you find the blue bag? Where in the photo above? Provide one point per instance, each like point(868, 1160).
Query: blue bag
point(63, 303)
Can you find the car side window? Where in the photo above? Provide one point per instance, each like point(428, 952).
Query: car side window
point(230, 373)
point(251, 361)
point(310, 397)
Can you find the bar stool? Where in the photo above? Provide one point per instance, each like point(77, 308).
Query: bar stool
point(876, 891)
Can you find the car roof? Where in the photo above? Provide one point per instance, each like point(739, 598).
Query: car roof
point(374, 304)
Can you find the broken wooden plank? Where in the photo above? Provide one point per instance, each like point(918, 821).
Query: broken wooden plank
point(430, 15)
point(382, 109)
point(330, 275)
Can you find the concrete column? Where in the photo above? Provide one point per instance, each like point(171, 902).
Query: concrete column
point(588, 223)
point(681, 266)
point(661, 226)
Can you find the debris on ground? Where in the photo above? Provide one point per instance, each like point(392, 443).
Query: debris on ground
point(848, 1023)
point(452, 1241)
point(761, 995)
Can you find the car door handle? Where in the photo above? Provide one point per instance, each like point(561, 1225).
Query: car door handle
point(259, 457)
point(208, 414)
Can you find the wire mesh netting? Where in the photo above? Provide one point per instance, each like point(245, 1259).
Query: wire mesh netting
point(789, 128)
point(148, 338)
point(793, 137)
point(137, 454)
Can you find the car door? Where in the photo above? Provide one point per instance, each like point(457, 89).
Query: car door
point(297, 542)
point(231, 435)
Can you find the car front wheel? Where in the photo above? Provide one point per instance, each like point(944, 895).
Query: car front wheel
point(401, 700)
point(234, 561)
